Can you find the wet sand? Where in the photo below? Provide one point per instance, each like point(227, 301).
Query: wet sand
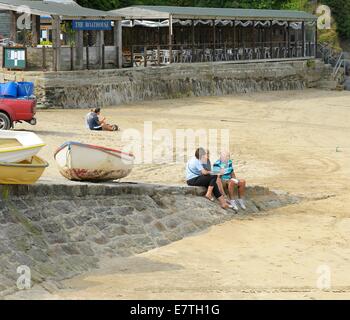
point(292, 141)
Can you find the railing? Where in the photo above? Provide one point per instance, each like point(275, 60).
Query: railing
point(340, 64)
point(332, 57)
point(139, 55)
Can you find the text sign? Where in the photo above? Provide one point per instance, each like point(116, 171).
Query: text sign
point(92, 25)
point(14, 58)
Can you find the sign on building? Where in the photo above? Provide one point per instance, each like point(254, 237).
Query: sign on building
point(90, 25)
point(14, 58)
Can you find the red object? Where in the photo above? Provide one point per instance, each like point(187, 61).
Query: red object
point(18, 110)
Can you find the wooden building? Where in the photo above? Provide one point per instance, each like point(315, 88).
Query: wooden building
point(62, 55)
point(191, 34)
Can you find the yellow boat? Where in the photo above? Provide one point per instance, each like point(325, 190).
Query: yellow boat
point(25, 172)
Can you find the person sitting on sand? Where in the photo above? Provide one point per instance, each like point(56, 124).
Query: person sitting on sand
point(229, 180)
point(94, 123)
point(196, 175)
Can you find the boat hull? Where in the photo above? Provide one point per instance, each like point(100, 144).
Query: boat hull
point(81, 162)
point(26, 172)
point(19, 154)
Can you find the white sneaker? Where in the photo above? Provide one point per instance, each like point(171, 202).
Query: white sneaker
point(242, 204)
point(234, 205)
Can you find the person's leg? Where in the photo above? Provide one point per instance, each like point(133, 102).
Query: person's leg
point(231, 189)
point(217, 193)
point(220, 185)
point(107, 127)
point(241, 194)
point(241, 188)
point(203, 181)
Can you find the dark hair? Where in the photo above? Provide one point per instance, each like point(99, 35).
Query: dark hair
point(97, 110)
point(200, 152)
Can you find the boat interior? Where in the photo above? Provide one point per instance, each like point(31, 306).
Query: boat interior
point(9, 143)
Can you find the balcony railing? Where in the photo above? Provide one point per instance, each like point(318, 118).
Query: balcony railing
point(138, 55)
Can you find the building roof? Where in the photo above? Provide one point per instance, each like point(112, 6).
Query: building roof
point(67, 10)
point(163, 12)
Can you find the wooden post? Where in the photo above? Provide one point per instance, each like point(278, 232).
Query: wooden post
point(71, 58)
point(44, 58)
point(170, 39)
point(35, 35)
point(271, 39)
point(303, 40)
point(87, 58)
point(56, 41)
point(13, 26)
point(234, 36)
point(316, 36)
point(254, 38)
point(193, 37)
point(118, 43)
point(132, 56)
point(100, 41)
point(103, 56)
point(288, 39)
point(214, 37)
point(158, 54)
point(145, 57)
point(79, 49)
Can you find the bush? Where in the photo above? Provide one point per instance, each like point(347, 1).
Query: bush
point(46, 43)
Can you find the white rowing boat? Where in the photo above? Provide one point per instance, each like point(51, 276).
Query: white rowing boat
point(84, 162)
point(17, 146)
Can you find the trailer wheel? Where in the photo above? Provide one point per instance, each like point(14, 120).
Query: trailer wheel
point(5, 122)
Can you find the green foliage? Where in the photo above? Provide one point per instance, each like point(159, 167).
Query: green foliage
point(103, 4)
point(46, 43)
point(311, 64)
point(341, 13)
point(258, 4)
point(340, 8)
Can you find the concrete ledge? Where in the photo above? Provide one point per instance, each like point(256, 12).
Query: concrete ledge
point(83, 189)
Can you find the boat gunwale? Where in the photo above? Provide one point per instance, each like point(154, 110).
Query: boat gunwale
point(21, 148)
point(109, 151)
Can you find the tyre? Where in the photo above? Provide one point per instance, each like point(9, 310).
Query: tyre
point(5, 122)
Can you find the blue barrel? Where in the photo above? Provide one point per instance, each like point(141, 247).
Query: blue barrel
point(9, 89)
point(25, 89)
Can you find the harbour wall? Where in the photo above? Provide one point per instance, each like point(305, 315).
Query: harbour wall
point(101, 88)
point(62, 230)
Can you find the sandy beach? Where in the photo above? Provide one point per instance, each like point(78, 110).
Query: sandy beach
point(295, 141)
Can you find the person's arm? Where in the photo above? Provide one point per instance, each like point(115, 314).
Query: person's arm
point(101, 122)
point(205, 172)
point(234, 178)
point(200, 168)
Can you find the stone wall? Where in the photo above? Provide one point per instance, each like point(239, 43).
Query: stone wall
point(62, 230)
point(87, 89)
